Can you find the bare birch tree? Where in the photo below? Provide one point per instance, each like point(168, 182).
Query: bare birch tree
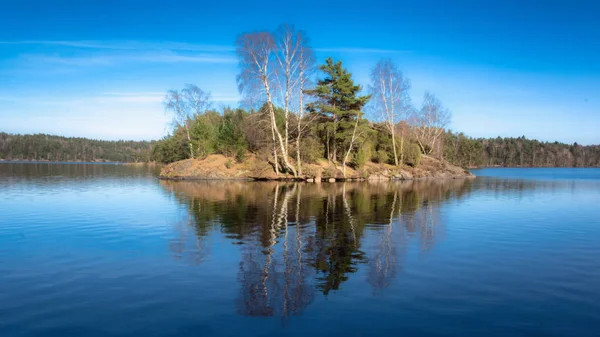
point(430, 122)
point(296, 63)
point(390, 91)
point(306, 66)
point(175, 103)
point(256, 52)
point(356, 133)
point(288, 46)
point(186, 105)
point(196, 99)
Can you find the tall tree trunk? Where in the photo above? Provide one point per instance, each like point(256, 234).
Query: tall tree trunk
point(335, 122)
point(284, 153)
point(299, 133)
point(298, 160)
point(286, 113)
point(187, 131)
point(328, 148)
point(350, 146)
point(394, 145)
point(275, 159)
point(421, 146)
point(401, 148)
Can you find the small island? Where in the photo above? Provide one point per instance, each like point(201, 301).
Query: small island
point(219, 167)
point(300, 121)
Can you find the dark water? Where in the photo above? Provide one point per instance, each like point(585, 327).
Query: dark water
point(108, 250)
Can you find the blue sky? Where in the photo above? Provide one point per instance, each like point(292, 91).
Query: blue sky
point(100, 68)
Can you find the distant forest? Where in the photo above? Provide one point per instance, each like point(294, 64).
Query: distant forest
point(517, 152)
point(56, 148)
point(458, 149)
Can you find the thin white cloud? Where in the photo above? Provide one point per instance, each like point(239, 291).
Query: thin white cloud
point(152, 97)
point(172, 46)
point(225, 98)
point(110, 98)
point(359, 50)
point(140, 98)
point(150, 93)
point(99, 59)
point(149, 97)
point(127, 45)
point(58, 56)
point(176, 58)
point(32, 59)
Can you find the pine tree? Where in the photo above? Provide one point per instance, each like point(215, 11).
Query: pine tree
point(338, 107)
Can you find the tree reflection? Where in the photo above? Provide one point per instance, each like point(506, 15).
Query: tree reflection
point(298, 240)
point(382, 266)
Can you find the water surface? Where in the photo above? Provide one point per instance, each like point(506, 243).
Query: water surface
point(109, 250)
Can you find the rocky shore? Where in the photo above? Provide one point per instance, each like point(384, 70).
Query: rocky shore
point(218, 167)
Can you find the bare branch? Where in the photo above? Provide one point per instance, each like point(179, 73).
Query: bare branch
point(430, 122)
point(391, 99)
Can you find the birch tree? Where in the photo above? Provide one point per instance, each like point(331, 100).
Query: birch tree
point(391, 99)
point(186, 105)
point(430, 123)
point(351, 145)
point(296, 62)
point(256, 52)
point(196, 99)
point(306, 68)
point(175, 103)
point(197, 102)
point(288, 46)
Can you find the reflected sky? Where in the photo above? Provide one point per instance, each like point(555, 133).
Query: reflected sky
point(81, 247)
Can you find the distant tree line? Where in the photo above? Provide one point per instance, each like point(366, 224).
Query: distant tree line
point(56, 148)
point(516, 152)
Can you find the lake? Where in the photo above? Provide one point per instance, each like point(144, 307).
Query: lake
point(109, 250)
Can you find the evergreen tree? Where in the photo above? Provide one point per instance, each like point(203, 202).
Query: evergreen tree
point(338, 106)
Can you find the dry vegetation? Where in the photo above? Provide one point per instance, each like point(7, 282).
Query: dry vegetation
point(220, 167)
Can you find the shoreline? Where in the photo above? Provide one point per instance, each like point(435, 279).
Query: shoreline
point(25, 161)
point(311, 180)
point(219, 167)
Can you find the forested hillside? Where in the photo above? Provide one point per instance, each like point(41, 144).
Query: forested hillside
point(57, 148)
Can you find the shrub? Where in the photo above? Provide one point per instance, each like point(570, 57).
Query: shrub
point(230, 137)
point(360, 158)
point(382, 157)
point(330, 172)
point(228, 163)
point(171, 149)
point(311, 150)
point(412, 155)
point(204, 132)
point(240, 156)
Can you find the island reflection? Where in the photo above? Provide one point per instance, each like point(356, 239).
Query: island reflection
point(300, 240)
